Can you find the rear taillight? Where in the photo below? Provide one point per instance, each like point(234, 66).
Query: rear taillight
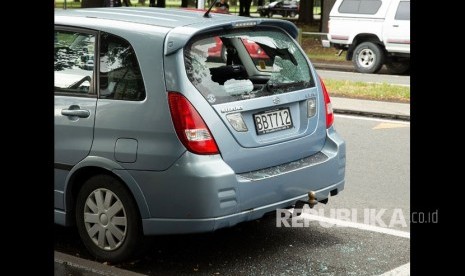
point(328, 106)
point(190, 127)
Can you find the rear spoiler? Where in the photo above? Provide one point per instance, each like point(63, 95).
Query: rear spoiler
point(179, 36)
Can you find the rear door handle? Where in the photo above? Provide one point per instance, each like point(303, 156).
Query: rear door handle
point(75, 111)
point(395, 26)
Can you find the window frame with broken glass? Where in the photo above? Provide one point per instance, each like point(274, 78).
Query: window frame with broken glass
point(246, 63)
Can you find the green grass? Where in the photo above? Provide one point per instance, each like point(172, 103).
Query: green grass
point(359, 90)
point(368, 91)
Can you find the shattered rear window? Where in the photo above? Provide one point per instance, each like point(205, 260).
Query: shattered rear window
point(241, 65)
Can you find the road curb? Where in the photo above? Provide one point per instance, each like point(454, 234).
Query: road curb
point(343, 67)
point(331, 66)
point(372, 114)
point(90, 267)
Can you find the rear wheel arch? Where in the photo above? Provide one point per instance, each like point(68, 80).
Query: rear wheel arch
point(110, 228)
point(368, 57)
point(74, 184)
point(360, 38)
point(81, 175)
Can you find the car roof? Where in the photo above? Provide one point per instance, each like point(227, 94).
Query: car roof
point(163, 17)
point(179, 24)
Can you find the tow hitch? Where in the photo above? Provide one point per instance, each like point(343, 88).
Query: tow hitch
point(311, 202)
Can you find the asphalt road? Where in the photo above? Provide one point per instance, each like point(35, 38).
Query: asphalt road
point(370, 78)
point(377, 179)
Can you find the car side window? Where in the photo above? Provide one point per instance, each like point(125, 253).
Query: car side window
point(360, 6)
point(120, 75)
point(403, 11)
point(74, 62)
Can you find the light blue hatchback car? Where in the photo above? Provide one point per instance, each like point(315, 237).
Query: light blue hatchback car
point(168, 121)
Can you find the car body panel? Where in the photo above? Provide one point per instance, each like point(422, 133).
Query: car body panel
point(345, 27)
point(136, 141)
point(396, 32)
point(283, 8)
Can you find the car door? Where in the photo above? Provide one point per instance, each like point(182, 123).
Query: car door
point(397, 27)
point(75, 102)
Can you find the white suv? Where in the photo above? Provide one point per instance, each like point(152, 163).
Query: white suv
point(374, 32)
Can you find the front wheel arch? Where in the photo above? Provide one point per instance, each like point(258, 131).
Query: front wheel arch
point(359, 39)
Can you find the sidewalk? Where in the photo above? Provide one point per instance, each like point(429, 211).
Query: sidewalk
point(387, 110)
point(70, 265)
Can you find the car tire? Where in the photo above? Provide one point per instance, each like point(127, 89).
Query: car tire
point(398, 67)
point(270, 14)
point(108, 219)
point(368, 57)
point(292, 14)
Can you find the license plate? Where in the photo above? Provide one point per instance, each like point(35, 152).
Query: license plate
point(273, 120)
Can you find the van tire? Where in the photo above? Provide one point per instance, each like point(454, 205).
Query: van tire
point(368, 57)
point(121, 230)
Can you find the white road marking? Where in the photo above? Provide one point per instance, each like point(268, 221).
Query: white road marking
point(403, 270)
point(361, 226)
point(389, 125)
point(372, 119)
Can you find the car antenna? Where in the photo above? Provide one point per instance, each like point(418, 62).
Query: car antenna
point(207, 14)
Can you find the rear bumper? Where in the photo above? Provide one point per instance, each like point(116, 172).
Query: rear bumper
point(202, 193)
point(155, 226)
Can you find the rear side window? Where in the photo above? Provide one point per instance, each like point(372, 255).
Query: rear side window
point(360, 6)
point(120, 75)
point(240, 65)
point(74, 62)
point(403, 11)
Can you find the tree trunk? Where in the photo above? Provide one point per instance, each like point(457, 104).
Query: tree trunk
point(192, 3)
point(161, 3)
point(306, 12)
point(326, 7)
point(91, 3)
point(184, 3)
point(152, 3)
